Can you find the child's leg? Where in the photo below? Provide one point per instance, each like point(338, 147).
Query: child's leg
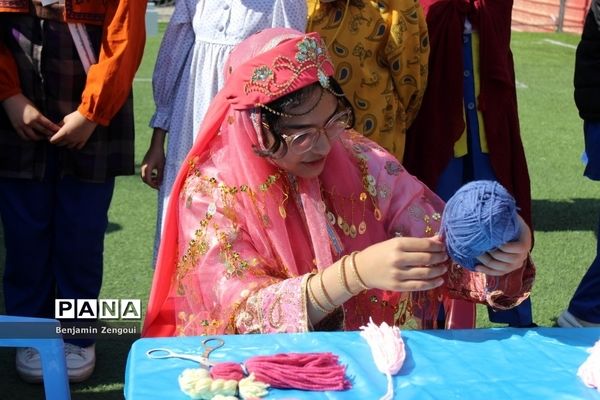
point(520, 316)
point(26, 208)
point(585, 303)
point(455, 313)
point(81, 219)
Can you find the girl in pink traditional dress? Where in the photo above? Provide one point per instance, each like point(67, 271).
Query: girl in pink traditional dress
point(286, 220)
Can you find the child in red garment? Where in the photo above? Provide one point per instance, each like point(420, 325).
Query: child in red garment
point(468, 126)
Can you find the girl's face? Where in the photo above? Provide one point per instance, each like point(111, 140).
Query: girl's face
point(309, 164)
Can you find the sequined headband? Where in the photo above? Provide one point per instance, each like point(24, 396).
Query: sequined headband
point(285, 73)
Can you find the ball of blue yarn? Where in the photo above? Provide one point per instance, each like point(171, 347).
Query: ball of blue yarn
point(480, 217)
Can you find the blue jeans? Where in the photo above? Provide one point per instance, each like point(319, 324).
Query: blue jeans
point(54, 238)
point(585, 303)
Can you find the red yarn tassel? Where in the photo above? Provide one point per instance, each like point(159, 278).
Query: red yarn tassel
point(304, 371)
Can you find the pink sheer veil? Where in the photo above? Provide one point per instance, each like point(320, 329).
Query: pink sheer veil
point(227, 137)
point(267, 66)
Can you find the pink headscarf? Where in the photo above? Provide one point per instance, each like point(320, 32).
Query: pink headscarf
point(285, 245)
point(264, 67)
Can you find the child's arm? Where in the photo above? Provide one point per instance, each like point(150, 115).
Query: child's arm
point(171, 65)
point(170, 71)
point(10, 84)
point(109, 81)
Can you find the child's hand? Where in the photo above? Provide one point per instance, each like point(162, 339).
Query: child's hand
point(404, 264)
point(29, 123)
point(74, 132)
point(508, 257)
point(153, 164)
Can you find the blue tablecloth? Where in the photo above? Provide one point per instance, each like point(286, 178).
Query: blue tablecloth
point(499, 364)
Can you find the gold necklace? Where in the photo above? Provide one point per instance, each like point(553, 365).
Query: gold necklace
point(336, 216)
point(336, 212)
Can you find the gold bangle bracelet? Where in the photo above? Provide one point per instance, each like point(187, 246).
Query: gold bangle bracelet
point(355, 270)
point(313, 299)
point(325, 294)
point(342, 276)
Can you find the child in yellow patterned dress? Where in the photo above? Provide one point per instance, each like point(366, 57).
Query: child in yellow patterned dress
point(380, 51)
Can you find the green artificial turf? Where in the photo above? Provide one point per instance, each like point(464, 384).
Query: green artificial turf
point(565, 206)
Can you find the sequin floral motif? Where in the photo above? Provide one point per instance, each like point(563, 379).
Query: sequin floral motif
point(261, 74)
point(223, 200)
point(393, 168)
point(308, 50)
point(419, 214)
point(311, 54)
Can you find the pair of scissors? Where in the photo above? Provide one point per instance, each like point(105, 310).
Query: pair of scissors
point(208, 345)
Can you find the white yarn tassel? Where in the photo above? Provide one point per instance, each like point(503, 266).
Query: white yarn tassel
point(589, 371)
point(387, 348)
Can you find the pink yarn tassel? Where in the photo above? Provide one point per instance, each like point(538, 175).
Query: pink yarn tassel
point(304, 371)
point(227, 371)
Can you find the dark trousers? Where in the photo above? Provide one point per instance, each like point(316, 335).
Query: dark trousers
point(585, 303)
point(54, 238)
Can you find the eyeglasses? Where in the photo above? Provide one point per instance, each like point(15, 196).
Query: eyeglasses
point(299, 142)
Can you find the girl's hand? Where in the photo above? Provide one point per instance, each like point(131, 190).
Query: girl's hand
point(27, 120)
point(404, 264)
point(74, 132)
point(508, 257)
point(153, 164)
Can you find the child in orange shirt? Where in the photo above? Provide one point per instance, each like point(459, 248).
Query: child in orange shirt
point(65, 133)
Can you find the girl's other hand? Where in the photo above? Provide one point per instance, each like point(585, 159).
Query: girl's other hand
point(27, 120)
point(508, 257)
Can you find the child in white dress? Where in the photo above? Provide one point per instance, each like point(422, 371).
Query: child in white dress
point(189, 72)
